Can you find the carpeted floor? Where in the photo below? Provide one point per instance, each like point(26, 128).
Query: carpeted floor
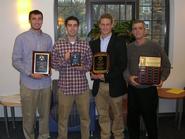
point(167, 130)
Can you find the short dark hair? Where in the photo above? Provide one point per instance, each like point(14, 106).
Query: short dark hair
point(106, 15)
point(71, 18)
point(35, 12)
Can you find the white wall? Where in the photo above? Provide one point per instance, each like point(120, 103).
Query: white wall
point(176, 52)
point(9, 29)
point(177, 44)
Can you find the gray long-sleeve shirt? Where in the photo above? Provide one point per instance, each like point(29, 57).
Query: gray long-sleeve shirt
point(149, 48)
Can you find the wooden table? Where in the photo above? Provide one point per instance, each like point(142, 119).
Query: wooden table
point(11, 101)
point(164, 94)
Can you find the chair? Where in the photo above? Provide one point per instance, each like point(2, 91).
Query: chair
point(11, 101)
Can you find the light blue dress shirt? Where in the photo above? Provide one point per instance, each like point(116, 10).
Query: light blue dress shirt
point(104, 43)
point(24, 45)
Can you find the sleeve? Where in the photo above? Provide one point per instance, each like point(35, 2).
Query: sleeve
point(124, 56)
point(165, 65)
point(50, 45)
point(57, 60)
point(121, 57)
point(18, 57)
point(88, 59)
point(92, 50)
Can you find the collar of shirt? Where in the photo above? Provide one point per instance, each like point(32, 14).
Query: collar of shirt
point(104, 43)
point(36, 32)
point(67, 40)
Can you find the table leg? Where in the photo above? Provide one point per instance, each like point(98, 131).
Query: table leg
point(13, 116)
point(179, 112)
point(6, 120)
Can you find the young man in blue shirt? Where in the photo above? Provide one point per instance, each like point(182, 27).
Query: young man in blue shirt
point(34, 88)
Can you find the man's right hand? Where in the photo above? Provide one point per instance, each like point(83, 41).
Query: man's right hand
point(37, 76)
point(132, 80)
point(97, 76)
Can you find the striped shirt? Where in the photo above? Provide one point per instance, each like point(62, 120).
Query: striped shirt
point(72, 81)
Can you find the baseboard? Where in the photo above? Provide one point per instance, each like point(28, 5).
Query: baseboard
point(10, 119)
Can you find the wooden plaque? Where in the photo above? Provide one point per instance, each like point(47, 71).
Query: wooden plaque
point(101, 63)
point(41, 63)
point(149, 70)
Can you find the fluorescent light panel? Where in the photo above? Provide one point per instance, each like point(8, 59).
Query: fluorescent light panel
point(23, 9)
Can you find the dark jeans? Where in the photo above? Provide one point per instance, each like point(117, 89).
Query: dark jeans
point(142, 102)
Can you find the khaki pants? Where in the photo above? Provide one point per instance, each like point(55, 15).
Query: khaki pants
point(31, 101)
point(65, 103)
point(103, 104)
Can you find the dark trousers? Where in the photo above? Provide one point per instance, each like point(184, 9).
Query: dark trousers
point(142, 102)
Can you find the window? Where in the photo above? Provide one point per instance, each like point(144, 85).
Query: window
point(155, 13)
point(121, 10)
point(65, 8)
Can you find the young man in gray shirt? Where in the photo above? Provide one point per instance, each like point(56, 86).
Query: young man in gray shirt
point(142, 98)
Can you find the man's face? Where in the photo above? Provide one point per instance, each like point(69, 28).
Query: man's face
point(72, 28)
point(138, 31)
point(36, 21)
point(105, 26)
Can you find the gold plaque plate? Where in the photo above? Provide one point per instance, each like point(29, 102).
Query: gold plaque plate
point(149, 70)
point(149, 61)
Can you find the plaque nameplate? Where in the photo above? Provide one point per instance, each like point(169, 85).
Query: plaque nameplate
point(149, 70)
point(41, 62)
point(100, 63)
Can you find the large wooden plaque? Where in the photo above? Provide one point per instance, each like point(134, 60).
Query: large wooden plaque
point(41, 63)
point(149, 70)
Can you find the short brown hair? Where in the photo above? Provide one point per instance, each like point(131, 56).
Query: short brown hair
point(106, 15)
point(36, 12)
point(138, 21)
point(71, 18)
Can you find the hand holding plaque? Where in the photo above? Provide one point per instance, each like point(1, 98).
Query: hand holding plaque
point(41, 62)
point(75, 58)
point(100, 63)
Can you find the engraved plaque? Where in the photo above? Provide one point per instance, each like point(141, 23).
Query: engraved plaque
point(149, 70)
point(41, 62)
point(101, 62)
point(75, 59)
